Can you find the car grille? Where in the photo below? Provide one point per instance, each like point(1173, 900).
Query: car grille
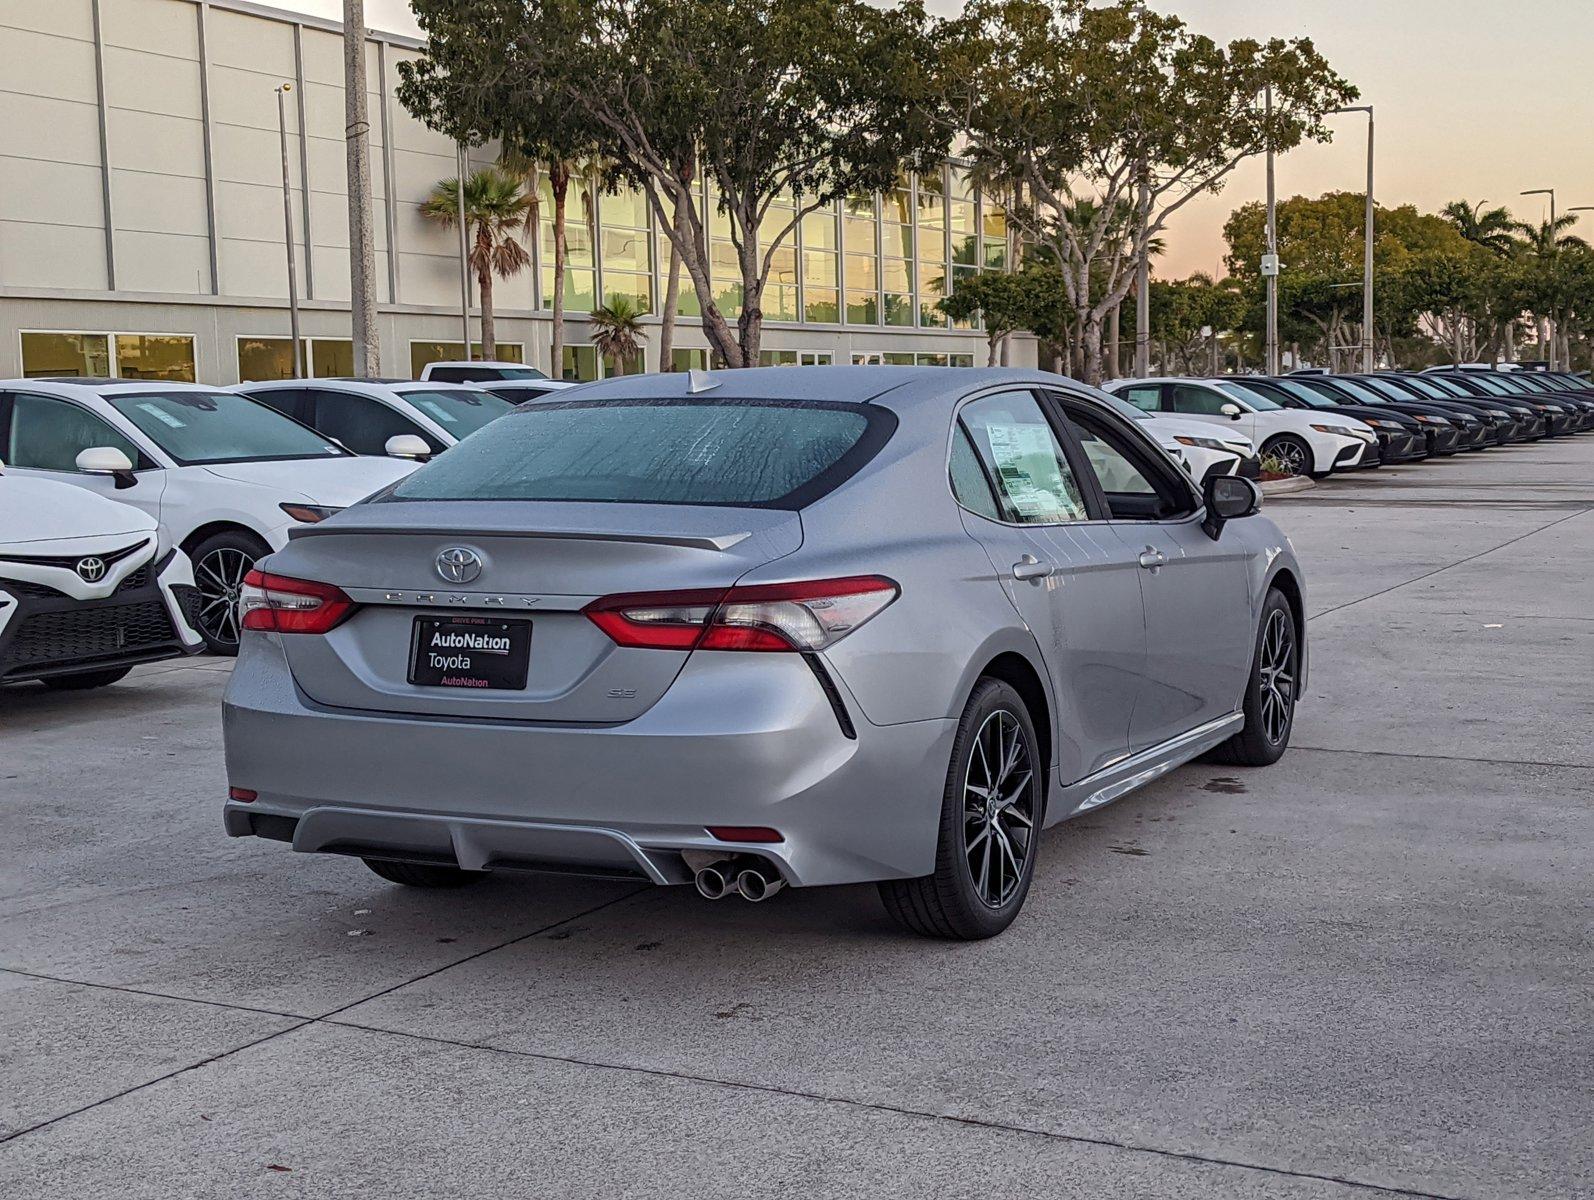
point(137, 579)
point(86, 633)
point(26, 587)
point(190, 601)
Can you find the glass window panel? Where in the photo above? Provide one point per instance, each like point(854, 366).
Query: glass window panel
point(218, 427)
point(689, 360)
point(1034, 482)
point(821, 305)
point(334, 357)
point(48, 434)
point(580, 286)
point(780, 292)
point(819, 231)
point(579, 224)
point(819, 268)
point(637, 288)
point(580, 363)
point(930, 291)
point(264, 358)
point(863, 308)
point(962, 183)
point(960, 360)
point(627, 250)
point(930, 360)
point(628, 206)
point(76, 355)
point(965, 245)
point(898, 359)
point(896, 240)
point(155, 356)
point(777, 358)
point(959, 273)
point(816, 358)
point(897, 206)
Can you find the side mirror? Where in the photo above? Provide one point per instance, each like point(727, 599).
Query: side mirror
point(1227, 498)
point(1232, 410)
point(107, 460)
point(407, 445)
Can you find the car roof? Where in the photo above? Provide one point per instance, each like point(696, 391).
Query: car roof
point(364, 386)
point(846, 384)
point(100, 385)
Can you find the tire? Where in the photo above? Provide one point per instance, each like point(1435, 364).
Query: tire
point(85, 680)
point(220, 563)
point(962, 900)
point(1296, 453)
point(422, 875)
point(1266, 734)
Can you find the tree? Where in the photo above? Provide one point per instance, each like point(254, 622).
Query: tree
point(541, 133)
point(1125, 107)
point(1182, 308)
point(1005, 302)
point(495, 207)
point(800, 101)
point(1493, 228)
point(617, 332)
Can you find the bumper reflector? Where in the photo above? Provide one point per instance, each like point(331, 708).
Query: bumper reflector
point(745, 833)
point(243, 795)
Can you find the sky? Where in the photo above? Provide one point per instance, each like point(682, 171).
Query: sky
point(1475, 99)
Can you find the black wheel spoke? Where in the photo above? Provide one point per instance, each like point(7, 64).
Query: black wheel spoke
point(998, 808)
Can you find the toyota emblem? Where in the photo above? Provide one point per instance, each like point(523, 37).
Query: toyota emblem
point(91, 569)
point(458, 565)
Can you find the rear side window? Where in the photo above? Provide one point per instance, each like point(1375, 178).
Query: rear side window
point(740, 453)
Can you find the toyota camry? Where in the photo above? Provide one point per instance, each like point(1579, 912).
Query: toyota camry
point(763, 628)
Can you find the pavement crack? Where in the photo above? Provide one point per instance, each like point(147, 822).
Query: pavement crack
point(905, 1111)
point(1494, 762)
point(1461, 562)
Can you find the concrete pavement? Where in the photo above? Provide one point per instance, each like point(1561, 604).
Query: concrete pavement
point(1363, 971)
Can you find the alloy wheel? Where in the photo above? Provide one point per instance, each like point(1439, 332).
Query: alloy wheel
point(1278, 677)
point(220, 578)
point(998, 808)
point(1293, 456)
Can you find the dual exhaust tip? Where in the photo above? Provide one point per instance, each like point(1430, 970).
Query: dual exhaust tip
point(751, 879)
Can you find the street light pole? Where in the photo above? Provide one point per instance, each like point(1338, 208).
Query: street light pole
point(1367, 249)
point(287, 222)
point(1270, 268)
point(464, 251)
point(1549, 322)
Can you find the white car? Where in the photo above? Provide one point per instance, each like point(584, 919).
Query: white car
point(226, 476)
point(367, 415)
point(524, 391)
point(1199, 448)
point(1307, 443)
point(478, 371)
point(88, 588)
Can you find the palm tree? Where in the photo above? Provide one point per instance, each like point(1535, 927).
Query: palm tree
point(496, 204)
point(1546, 239)
point(617, 331)
point(1492, 228)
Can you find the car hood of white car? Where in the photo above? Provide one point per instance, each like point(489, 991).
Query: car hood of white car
point(43, 510)
point(335, 482)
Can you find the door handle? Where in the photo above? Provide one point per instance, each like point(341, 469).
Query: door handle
point(1031, 568)
point(1151, 558)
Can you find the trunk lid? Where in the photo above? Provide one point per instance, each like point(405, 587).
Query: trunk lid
point(539, 562)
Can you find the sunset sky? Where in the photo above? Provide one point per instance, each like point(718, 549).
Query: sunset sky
point(1476, 99)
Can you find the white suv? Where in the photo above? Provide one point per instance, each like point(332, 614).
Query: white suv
point(366, 415)
point(481, 370)
point(1307, 443)
point(226, 476)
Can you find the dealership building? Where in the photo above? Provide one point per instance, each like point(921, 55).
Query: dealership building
point(143, 235)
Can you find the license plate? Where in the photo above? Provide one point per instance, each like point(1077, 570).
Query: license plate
point(470, 652)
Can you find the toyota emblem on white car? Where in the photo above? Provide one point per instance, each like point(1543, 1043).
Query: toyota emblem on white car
point(91, 569)
point(458, 565)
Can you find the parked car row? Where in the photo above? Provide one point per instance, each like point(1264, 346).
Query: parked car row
point(1314, 423)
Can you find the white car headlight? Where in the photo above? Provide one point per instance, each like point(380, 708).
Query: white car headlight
point(1204, 443)
point(1341, 431)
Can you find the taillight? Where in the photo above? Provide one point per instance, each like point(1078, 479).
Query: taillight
point(774, 616)
point(277, 604)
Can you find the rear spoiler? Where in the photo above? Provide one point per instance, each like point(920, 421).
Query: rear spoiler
point(719, 542)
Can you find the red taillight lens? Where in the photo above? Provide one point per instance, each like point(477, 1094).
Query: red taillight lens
point(243, 795)
point(804, 616)
point(277, 604)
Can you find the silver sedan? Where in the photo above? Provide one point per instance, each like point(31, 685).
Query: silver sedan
point(763, 628)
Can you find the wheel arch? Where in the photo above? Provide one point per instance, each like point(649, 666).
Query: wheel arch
point(1289, 585)
point(1015, 670)
point(211, 528)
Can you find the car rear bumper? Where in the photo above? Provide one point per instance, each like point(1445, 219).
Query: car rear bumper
point(738, 740)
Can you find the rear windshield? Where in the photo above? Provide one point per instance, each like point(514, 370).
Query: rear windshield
point(740, 453)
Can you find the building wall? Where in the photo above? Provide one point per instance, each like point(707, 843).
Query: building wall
point(142, 193)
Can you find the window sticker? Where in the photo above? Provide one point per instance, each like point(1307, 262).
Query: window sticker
point(160, 414)
point(1026, 463)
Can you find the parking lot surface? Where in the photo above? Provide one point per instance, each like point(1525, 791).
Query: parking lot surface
point(1362, 971)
